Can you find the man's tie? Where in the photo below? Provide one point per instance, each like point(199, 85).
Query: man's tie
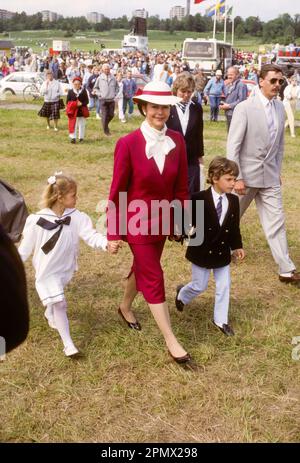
point(49, 245)
point(219, 208)
point(270, 119)
point(182, 105)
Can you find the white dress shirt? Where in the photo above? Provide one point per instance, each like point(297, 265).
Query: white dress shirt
point(184, 117)
point(216, 197)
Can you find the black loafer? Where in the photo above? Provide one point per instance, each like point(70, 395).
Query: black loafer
point(179, 304)
point(134, 326)
point(226, 329)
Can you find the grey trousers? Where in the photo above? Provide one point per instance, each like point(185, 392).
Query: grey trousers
point(270, 210)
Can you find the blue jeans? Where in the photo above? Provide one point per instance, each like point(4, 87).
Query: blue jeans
point(214, 102)
point(94, 102)
point(128, 101)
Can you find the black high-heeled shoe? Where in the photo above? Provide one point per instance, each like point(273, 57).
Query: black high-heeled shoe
point(134, 326)
point(181, 360)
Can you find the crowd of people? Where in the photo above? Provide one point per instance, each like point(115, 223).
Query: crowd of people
point(160, 161)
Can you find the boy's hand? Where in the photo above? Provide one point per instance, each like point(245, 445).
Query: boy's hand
point(239, 254)
point(113, 246)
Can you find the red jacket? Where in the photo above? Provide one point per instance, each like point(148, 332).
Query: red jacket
point(139, 176)
point(71, 111)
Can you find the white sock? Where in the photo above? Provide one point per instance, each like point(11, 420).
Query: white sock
point(49, 316)
point(62, 323)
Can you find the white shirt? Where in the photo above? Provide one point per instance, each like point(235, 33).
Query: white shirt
point(184, 117)
point(267, 108)
point(216, 197)
point(158, 144)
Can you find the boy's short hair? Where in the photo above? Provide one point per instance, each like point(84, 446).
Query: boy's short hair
point(221, 166)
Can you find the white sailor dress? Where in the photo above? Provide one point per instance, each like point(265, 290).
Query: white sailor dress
point(55, 261)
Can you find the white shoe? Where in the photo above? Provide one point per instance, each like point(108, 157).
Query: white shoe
point(48, 127)
point(97, 116)
point(70, 350)
point(50, 319)
point(293, 136)
point(55, 129)
point(123, 120)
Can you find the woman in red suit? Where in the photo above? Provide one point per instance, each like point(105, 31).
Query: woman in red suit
point(150, 165)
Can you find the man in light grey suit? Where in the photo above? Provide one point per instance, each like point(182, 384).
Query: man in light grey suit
point(255, 142)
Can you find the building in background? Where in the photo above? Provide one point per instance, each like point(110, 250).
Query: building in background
point(50, 16)
point(94, 17)
point(5, 47)
point(4, 14)
point(188, 7)
point(177, 12)
point(140, 13)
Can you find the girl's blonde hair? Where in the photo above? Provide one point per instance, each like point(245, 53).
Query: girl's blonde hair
point(58, 185)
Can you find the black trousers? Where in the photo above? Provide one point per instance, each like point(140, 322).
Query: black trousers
point(107, 113)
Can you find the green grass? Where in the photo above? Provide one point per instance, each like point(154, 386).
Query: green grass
point(159, 40)
point(127, 389)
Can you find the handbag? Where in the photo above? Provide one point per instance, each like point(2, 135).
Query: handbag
point(13, 211)
point(85, 111)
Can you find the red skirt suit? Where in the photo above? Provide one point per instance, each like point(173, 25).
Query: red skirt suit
point(133, 222)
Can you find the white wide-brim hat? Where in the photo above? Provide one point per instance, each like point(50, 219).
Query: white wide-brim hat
point(158, 93)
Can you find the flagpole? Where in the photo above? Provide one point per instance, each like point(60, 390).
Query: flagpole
point(232, 31)
point(215, 23)
point(225, 23)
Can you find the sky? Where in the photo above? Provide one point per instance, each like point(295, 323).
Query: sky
point(265, 9)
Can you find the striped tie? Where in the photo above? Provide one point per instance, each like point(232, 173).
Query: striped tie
point(270, 120)
point(219, 208)
point(182, 105)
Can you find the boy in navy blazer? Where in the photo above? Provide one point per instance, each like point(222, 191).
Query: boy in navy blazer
point(221, 238)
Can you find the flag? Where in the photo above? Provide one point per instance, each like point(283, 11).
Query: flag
point(218, 7)
point(228, 12)
point(198, 1)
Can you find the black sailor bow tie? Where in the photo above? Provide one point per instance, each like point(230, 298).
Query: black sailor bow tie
point(49, 245)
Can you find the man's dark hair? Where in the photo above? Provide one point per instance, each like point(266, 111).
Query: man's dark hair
point(269, 68)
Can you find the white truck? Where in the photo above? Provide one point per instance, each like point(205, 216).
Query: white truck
point(210, 54)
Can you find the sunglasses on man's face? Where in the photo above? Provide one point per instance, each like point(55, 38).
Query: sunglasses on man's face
point(274, 81)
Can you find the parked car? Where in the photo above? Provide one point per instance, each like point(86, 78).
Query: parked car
point(14, 83)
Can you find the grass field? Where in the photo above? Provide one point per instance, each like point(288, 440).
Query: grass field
point(126, 388)
point(112, 39)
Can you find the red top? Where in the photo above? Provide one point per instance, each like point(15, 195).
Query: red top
point(140, 177)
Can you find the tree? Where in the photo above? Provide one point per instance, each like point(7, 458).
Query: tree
point(240, 30)
point(253, 26)
point(154, 22)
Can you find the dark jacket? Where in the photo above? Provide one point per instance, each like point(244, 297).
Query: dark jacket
point(83, 97)
point(14, 313)
point(218, 240)
point(194, 132)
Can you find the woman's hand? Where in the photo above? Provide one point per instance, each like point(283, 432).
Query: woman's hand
point(79, 103)
point(113, 246)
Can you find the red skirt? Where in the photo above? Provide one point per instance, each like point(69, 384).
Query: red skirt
point(149, 275)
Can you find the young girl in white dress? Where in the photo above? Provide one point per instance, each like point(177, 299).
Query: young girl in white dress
point(53, 234)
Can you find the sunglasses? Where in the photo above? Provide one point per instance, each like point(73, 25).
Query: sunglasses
point(274, 81)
